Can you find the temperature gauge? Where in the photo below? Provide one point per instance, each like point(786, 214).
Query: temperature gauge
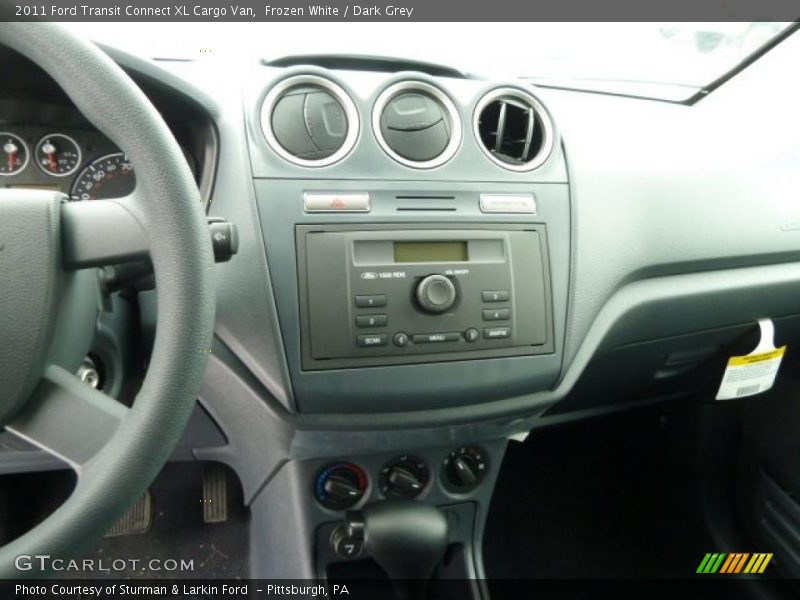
point(58, 155)
point(13, 154)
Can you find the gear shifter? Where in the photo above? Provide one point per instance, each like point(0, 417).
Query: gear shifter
point(407, 539)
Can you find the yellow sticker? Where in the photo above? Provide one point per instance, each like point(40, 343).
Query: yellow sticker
point(753, 373)
point(749, 359)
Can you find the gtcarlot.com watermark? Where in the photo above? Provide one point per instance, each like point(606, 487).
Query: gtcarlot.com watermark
point(45, 562)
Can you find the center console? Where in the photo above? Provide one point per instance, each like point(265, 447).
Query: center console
point(417, 233)
point(420, 300)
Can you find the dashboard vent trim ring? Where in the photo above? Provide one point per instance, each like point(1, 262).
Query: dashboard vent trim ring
point(415, 85)
point(537, 117)
point(351, 112)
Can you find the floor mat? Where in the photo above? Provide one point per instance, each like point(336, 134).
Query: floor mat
point(217, 550)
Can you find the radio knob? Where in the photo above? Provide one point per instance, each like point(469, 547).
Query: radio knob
point(436, 293)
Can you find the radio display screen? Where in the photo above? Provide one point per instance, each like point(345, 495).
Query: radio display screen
point(421, 252)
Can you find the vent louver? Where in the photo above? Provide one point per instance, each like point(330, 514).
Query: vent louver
point(513, 129)
point(309, 121)
point(417, 124)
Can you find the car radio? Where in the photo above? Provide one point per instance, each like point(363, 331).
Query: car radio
point(391, 296)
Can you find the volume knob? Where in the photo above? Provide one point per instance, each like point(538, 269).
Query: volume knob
point(436, 293)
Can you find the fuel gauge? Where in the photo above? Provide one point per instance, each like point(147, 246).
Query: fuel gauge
point(58, 155)
point(13, 154)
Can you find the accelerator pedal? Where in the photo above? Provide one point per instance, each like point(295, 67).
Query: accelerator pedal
point(215, 493)
point(137, 520)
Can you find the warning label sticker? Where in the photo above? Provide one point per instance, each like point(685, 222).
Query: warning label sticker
point(753, 373)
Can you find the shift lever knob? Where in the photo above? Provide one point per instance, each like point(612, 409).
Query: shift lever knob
point(407, 539)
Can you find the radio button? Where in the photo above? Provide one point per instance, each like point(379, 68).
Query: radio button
point(368, 341)
point(373, 301)
point(497, 314)
point(435, 338)
point(496, 333)
point(471, 335)
point(495, 296)
point(372, 320)
point(400, 339)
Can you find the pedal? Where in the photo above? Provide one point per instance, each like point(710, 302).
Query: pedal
point(215, 493)
point(137, 520)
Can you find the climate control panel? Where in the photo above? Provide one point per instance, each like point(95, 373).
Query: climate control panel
point(389, 296)
point(343, 485)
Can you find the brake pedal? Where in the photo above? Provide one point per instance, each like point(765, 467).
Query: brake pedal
point(215, 493)
point(137, 520)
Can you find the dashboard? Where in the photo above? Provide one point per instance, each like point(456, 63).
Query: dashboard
point(421, 242)
point(430, 264)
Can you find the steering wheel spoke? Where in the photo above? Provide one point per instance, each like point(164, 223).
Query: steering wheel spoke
point(103, 232)
point(68, 418)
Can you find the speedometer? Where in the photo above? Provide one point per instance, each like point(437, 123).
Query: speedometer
point(107, 177)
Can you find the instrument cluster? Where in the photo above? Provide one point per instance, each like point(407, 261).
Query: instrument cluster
point(84, 165)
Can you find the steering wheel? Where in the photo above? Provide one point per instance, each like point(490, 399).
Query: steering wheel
point(49, 302)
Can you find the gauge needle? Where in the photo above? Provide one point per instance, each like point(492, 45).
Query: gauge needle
point(50, 150)
point(11, 150)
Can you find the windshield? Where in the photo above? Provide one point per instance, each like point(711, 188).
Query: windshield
point(662, 60)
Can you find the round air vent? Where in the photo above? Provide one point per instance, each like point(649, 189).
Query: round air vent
point(309, 121)
point(513, 129)
point(417, 124)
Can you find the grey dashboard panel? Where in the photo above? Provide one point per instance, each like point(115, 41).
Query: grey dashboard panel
point(666, 202)
point(682, 189)
point(404, 197)
point(428, 385)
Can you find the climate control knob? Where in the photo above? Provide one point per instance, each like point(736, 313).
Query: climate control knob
point(403, 477)
point(436, 293)
point(340, 486)
point(464, 469)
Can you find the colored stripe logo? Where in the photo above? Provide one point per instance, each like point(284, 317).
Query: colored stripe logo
point(734, 563)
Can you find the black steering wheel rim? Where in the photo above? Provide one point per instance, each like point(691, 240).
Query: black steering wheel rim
point(168, 210)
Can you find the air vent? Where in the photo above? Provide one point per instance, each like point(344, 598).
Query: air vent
point(417, 124)
point(309, 121)
point(513, 129)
